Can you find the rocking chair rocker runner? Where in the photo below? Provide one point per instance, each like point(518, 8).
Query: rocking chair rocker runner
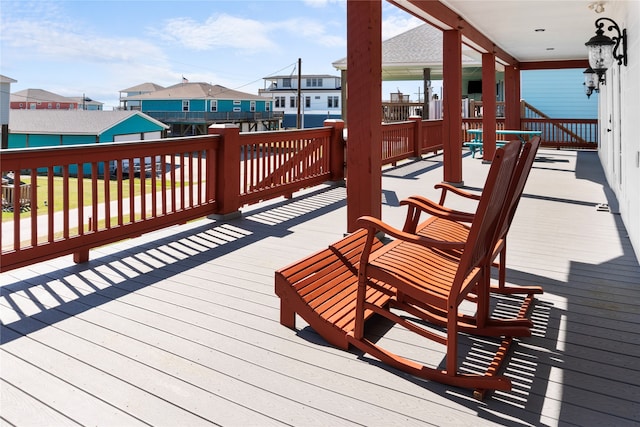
point(446, 224)
point(423, 269)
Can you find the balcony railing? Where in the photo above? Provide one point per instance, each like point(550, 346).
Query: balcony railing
point(211, 117)
point(558, 133)
point(410, 139)
point(87, 196)
point(82, 197)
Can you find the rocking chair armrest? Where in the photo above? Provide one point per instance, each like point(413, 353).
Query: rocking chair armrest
point(455, 190)
point(373, 225)
point(416, 205)
point(432, 208)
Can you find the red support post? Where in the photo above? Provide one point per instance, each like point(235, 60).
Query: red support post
point(227, 169)
point(417, 135)
point(364, 114)
point(452, 94)
point(489, 105)
point(336, 150)
point(82, 256)
point(511, 97)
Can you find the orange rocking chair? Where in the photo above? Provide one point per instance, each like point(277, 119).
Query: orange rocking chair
point(447, 224)
point(423, 269)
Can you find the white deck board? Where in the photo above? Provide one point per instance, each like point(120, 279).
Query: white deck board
point(181, 327)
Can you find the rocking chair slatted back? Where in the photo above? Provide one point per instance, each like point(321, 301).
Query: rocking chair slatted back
point(521, 175)
point(425, 270)
point(450, 225)
point(492, 208)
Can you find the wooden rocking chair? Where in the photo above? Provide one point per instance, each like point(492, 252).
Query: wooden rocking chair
point(447, 224)
point(423, 269)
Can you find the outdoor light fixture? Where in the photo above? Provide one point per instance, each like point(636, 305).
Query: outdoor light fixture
point(591, 82)
point(603, 49)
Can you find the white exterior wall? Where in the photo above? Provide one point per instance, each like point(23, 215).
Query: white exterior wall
point(619, 112)
point(318, 106)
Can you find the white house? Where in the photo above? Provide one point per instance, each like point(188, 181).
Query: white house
point(320, 98)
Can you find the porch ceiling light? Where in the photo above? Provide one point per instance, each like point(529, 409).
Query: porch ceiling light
point(603, 49)
point(591, 82)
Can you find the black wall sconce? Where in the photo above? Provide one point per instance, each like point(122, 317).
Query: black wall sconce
point(603, 49)
point(591, 82)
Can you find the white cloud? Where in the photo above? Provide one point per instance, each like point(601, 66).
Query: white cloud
point(63, 43)
point(220, 31)
point(321, 3)
point(246, 35)
point(313, 31)
point(397, 24)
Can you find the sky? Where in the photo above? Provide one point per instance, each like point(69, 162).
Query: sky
point(97, 48)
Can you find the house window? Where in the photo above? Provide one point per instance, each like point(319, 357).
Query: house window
point(332, 102)
point(286, 82)
point(314, 82)
point(252, 106)
point(307, 102)
point(185, 105)
point(50, 105)
point(292, 102)
point(236, 102)
point(237, 109)
point(280, 101)
point(267, 106)
point(214, 105)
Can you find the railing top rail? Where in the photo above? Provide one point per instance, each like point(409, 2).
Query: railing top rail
point(36, 157)
point(284, 135)
point(559, 120)
point(404, 124)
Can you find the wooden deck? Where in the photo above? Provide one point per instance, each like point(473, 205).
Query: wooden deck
point(181, 327)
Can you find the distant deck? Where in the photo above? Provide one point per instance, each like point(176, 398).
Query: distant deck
point(181, 327)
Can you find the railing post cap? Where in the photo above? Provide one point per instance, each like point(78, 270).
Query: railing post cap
point(334, 121)
point(224, 126)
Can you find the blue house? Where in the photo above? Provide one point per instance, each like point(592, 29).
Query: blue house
point(558, 93)
point(190, 108)
point(48, 128)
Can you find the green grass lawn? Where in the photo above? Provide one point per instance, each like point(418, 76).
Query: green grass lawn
point(87, 191)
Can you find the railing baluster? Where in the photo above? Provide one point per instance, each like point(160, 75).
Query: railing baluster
point(94, 197)
point(80, 187)
point(107, 195)
point(33, 203)
point(50, 205)
point(182, 180)
point(132, 191)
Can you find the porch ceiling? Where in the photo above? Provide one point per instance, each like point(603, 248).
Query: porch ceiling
point(512, 25)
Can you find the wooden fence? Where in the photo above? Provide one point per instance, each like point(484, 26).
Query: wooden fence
point(87, 196)
point(413, 138)
point(556, 133)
